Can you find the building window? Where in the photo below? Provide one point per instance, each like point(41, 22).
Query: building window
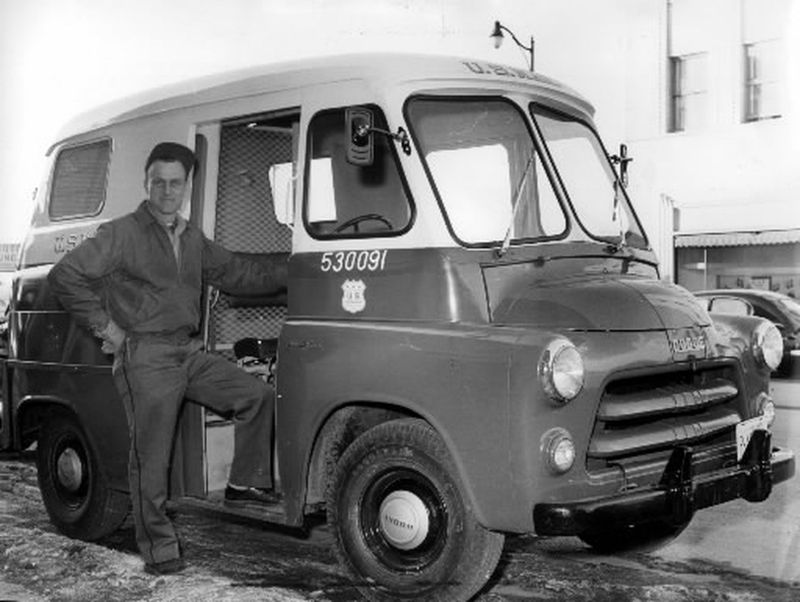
point(688, 92)
point(79, 180)
point(761, 80)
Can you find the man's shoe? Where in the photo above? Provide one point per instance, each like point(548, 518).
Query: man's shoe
point(250, 495)
point(168, 567)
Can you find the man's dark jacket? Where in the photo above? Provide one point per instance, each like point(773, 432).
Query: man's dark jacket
point(128, 272)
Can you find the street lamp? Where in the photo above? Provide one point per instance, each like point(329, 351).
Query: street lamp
point(498, 37)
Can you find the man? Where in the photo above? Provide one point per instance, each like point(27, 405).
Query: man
point(137, 286)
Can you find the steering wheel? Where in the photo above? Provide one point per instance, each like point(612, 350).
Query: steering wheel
point(353, 222)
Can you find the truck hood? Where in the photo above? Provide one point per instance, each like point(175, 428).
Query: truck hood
point(523, 294)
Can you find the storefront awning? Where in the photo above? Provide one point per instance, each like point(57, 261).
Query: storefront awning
point(738, 239)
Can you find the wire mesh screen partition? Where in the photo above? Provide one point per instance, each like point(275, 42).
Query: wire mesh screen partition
point(245, 222)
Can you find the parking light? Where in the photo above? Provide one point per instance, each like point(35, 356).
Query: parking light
point(561, 371)
point(558, 450)
point(767, 409)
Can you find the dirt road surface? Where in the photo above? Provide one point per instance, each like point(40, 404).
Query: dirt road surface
point(243, 561)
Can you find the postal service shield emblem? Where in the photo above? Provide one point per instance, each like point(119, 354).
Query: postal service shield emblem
point(353, 299)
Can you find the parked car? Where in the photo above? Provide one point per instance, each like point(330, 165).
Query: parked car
point(780, 309)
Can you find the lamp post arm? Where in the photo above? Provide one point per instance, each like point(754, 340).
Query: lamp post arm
point(518, 43)
point(513, 37)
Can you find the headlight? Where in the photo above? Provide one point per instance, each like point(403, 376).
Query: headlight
point(561, 370)
point(768, 345)
point(558, 449)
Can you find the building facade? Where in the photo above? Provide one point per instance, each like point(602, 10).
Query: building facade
point(8, 256)
point(713, 123)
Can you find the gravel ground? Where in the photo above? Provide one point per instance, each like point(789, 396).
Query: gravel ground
point(243, 561)
point(40, 564)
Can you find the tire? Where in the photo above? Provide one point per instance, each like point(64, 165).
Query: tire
point(74, 490)
point(402, 527)
point(646, 537)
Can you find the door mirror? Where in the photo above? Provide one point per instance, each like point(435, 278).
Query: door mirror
point(359, 143)
point(730, 305)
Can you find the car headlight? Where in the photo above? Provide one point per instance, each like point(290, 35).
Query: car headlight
point(768, 345)
point(561, 370)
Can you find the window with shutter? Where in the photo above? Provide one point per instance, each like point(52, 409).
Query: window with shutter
point(79, 180)
point(762, 80)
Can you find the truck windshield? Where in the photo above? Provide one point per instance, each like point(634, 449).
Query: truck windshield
point(489, 179)
point(589, 181)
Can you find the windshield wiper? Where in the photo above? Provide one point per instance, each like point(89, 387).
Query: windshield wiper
point(619, 183)
point(507, 239)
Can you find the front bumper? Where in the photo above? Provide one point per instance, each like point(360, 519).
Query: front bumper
point(678, 495)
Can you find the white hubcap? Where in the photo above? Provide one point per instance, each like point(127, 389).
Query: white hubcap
point(70, 473)
point(404, 520)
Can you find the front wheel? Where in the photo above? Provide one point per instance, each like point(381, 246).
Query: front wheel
point(403, 529)
point(75, 493)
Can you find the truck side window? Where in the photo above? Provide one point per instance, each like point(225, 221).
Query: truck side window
point(79, 180)
point(600, 202)
point(345, 200)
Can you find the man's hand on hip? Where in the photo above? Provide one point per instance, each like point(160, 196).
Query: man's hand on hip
point(113, 338)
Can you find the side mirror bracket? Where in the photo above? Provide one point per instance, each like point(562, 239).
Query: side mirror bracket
point(360, 144)
point(622, 159)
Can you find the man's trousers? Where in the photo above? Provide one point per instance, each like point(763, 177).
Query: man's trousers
point(153, 376)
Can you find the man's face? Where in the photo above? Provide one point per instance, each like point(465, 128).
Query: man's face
point(166, 185)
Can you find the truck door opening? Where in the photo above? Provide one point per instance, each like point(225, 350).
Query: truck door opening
point(251, 152)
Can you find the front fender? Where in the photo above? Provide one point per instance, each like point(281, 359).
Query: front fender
point(732, 336)
point(87, 393)
point(455, 377)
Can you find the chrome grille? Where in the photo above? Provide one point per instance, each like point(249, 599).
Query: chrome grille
point(655, 413)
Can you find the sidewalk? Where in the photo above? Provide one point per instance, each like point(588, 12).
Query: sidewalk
point(786, 392)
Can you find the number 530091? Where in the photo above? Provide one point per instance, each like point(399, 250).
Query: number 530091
point(349, 261)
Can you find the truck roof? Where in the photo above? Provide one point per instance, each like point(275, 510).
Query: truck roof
point(378, 67)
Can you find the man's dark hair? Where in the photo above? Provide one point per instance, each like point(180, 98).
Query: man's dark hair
point(170, 152)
